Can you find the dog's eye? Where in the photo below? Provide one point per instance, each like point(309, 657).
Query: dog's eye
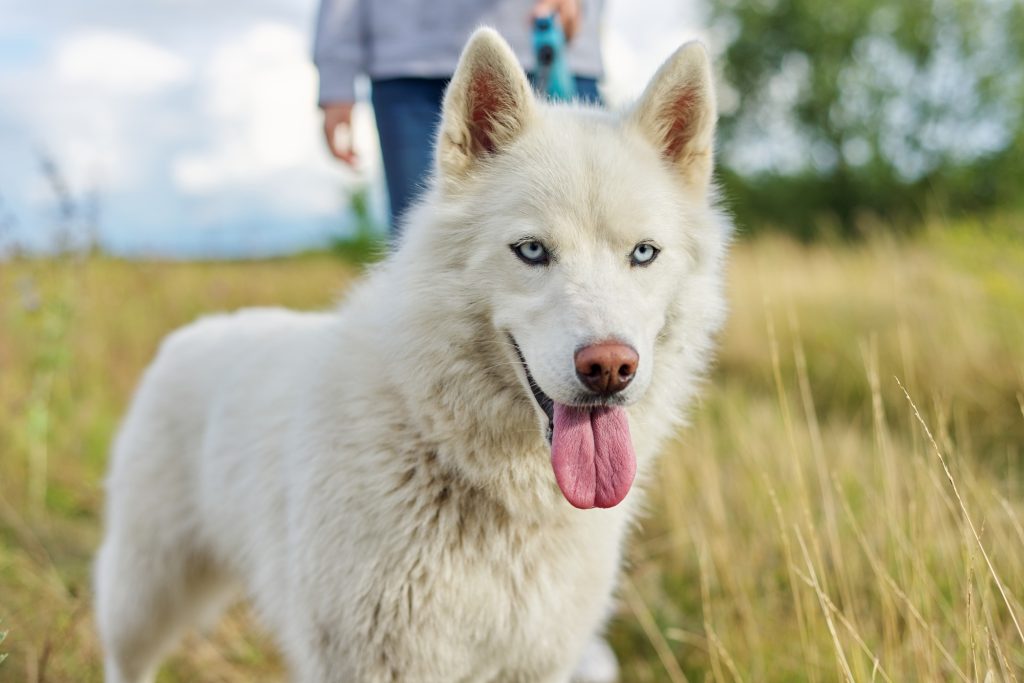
point(532, 252)
point(643, 254)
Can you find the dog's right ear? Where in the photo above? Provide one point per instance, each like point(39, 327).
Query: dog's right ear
point(487, 105)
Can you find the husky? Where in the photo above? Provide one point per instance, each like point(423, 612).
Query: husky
point(432, 484)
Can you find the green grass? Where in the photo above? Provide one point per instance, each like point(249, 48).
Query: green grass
point(804, 528)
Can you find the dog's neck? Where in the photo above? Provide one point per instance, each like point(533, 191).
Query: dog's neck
point(468, 399)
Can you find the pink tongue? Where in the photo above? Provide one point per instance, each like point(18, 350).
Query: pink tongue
point(592, 455)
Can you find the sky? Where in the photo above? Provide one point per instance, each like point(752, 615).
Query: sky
point(185, 128)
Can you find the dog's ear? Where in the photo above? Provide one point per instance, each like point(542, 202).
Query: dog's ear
point(677, 113)
point(487, 105)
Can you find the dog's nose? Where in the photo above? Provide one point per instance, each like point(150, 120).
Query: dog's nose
point(606, 368)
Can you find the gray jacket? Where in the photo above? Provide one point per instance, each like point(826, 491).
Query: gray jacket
point(423, 38)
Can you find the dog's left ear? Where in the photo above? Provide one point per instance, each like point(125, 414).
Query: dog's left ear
point(487, 105)
point(677, 113)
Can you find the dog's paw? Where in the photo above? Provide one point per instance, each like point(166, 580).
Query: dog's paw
point(597, 665)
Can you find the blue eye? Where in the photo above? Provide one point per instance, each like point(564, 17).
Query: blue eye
point(643, 254)
point(532, 252)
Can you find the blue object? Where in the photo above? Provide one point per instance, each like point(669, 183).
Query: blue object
point(553, 77)
point(407, 112)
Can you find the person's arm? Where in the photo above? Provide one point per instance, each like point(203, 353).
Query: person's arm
point(339, 53)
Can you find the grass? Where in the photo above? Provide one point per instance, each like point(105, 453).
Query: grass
point(815, 522)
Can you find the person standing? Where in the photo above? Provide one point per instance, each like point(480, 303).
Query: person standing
point(409, 50)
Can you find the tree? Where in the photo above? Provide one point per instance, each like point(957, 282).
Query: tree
point(880, 106)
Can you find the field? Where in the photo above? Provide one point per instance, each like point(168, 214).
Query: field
point(848, 503)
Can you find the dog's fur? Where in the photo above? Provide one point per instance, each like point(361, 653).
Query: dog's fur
point(378, 479)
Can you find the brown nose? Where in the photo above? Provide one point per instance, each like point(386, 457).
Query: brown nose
point(606, 368)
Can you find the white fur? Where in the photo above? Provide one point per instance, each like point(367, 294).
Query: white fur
point(376, 479)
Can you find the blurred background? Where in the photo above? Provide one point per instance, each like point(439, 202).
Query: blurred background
point(181, 129)
point(187, 130)
point(848, 502)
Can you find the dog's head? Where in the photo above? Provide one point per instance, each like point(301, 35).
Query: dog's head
point(584, 229)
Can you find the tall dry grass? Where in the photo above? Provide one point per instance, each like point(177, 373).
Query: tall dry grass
point(848, 502)
point(110, 318)
point(806, 527)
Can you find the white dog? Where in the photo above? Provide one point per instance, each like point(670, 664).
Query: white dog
point(432, 484)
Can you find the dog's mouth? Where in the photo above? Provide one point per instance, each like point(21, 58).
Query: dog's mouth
point(591, 449)
point(542, 399)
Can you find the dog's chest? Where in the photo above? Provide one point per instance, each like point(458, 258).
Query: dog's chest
point(468, 590)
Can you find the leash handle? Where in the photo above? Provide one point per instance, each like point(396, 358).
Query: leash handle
point(553, 77)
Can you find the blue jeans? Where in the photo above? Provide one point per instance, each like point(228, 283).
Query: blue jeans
point(407, 112)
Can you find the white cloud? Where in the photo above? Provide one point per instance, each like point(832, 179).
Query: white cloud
point(638, 37)
point(96, 101)
point(257, 99)
point(117, 63)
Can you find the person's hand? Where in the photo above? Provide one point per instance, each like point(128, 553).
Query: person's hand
point(569, 13)
point(338, 130)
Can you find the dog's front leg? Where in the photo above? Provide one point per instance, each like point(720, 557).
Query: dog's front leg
point(598, 664)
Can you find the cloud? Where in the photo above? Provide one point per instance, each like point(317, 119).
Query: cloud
point(638, 37)
point(102, 103)
point(117, 63)
point(262, 130)
point(255, 99)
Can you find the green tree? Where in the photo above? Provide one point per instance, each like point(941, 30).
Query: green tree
point(869, 106)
